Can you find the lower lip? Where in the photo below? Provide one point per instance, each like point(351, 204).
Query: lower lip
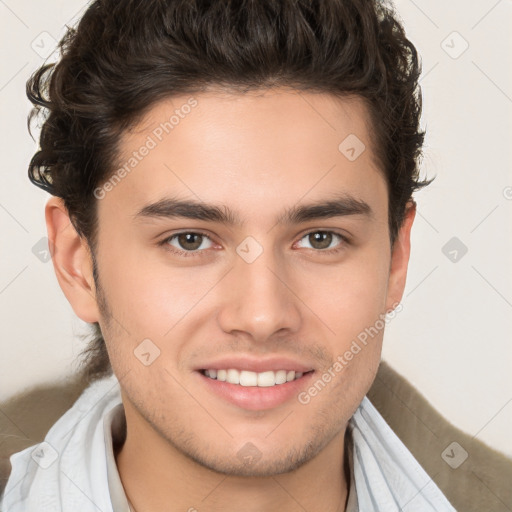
point(254, 398)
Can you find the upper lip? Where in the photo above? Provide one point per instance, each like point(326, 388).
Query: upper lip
point(256, 365)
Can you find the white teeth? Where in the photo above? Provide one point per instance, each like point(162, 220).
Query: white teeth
point(266, 379)
point(281, 377)
point(233, 376)
point(247, 378)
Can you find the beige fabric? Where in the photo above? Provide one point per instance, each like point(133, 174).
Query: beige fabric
point(481, 482)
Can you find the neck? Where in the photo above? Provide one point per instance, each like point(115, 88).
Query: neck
point(159, 478)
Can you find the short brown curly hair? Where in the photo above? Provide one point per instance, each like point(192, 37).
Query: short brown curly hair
point(125, 55)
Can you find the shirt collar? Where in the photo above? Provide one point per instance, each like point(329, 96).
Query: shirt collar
point(114, 427)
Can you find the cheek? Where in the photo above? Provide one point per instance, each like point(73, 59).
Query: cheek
point(348, 297)
point(147, 295)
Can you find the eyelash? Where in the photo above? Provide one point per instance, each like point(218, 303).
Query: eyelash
point(168, 247)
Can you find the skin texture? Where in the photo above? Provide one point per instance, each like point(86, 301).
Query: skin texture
point(259, 154)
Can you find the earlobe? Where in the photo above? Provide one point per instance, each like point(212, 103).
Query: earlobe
point(400, 259)
point(71, 260)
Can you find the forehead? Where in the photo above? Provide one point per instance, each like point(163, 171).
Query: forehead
point(251, 150)
point(311, 117)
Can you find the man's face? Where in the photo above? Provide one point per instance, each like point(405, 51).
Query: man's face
point(263, 288)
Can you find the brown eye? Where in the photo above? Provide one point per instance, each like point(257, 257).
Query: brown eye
point(323, 241)
point(190, 241)
point(320, 239)
point(187, 242)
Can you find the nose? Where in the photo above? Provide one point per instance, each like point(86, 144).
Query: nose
point(260, 300)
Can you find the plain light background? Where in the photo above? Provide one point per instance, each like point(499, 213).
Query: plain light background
point(452, 340)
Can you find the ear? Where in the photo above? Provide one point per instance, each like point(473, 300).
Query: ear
point(72, 261)
point(400, 258)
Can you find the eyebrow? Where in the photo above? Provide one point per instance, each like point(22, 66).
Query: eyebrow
point(171, 208)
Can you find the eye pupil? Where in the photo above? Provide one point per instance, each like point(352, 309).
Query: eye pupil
point(318, 236)
point(185, 238)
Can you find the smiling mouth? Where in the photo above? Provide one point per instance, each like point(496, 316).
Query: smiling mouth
point(253, 379)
